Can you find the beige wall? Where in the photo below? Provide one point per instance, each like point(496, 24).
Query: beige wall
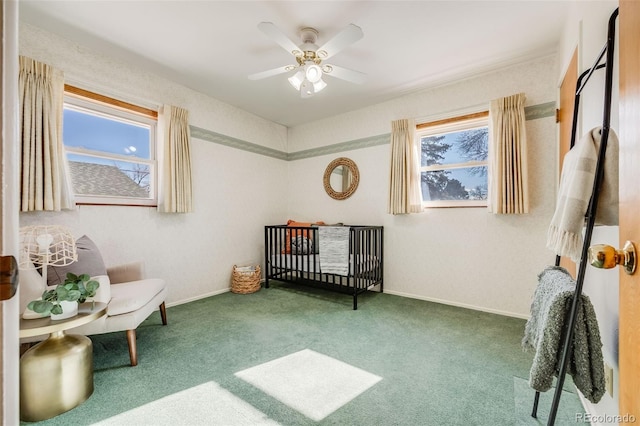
point(465, 257)
point(236, 192)
point(460, 256)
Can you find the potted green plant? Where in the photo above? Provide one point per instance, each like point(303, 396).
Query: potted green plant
point(75, 289)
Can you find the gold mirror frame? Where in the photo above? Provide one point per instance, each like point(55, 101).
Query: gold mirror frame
point(355, 178)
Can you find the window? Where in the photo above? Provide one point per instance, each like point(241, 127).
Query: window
point(454, 161)
point(110, 148)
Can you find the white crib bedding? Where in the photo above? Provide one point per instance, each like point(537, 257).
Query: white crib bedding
point(311, 262)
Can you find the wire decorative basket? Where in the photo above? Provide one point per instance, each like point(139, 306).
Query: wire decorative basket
point(245, 279)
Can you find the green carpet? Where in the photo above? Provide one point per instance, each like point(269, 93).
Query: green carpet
point(440, 365)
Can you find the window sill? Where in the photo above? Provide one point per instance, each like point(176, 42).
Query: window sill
point(107, 201)
point(454, 204)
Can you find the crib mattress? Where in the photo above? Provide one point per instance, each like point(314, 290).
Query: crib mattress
point(311, 263)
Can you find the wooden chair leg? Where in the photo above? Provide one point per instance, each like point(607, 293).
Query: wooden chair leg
point(133, 351)
point(163, 314)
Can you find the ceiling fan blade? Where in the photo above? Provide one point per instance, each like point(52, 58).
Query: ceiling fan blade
point(344, 38)
point(279, 37)
point(269, 73)
point(344, 74)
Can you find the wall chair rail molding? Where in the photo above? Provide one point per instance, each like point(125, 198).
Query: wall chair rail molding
point(341, 147)
point(210, 136)
point(533, 112)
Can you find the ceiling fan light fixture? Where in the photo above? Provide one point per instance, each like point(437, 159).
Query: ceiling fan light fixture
point(313, 73)
point(309, 68)
point(319, 85)
point(297, 79)
point(306, 89)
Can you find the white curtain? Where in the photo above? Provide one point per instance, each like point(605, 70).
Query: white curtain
point(176, 190)
point(508, 146)
point(404, 184)
point(45, 181)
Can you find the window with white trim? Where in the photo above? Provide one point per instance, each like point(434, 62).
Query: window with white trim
point(454, 161)
point(110, 148)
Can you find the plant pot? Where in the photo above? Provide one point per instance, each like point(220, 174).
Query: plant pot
point(69, 309)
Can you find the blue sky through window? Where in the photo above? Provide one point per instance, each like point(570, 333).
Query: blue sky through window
point(82, 130)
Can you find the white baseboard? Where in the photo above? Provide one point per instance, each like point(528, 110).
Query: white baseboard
point(600, 418)
point(459, 305)
point(592, 415)
point(202, 296)
point(588, 408)
point(395, 293)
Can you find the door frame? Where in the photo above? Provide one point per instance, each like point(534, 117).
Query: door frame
point(567, 94)
point(9, 221)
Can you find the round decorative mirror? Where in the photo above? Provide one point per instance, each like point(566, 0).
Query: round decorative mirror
point(341, 178)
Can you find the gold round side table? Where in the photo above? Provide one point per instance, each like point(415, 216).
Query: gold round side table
point(56, 375)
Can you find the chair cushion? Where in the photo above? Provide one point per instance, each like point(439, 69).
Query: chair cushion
point(131, 296)
point(31, 286)
point(103, 294)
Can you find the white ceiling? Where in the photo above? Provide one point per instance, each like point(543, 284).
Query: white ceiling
point(212, 46)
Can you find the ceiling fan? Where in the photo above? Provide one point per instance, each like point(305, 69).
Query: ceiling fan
point(309, 58)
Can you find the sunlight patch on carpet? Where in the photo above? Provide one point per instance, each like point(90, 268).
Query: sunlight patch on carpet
point(311, 383)
point(206, 404)
point(569, 412)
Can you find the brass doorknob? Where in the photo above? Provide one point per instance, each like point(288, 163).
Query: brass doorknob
point(607, 257)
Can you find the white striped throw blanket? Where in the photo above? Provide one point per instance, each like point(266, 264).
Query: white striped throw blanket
point(334, 249)
point(564, 237)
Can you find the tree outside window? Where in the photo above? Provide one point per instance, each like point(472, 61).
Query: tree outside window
point(454, 163)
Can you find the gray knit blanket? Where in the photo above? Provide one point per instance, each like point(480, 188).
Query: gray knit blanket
point(334, 249)
point(545, 333)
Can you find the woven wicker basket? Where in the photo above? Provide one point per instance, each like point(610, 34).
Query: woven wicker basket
point(245, 280)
